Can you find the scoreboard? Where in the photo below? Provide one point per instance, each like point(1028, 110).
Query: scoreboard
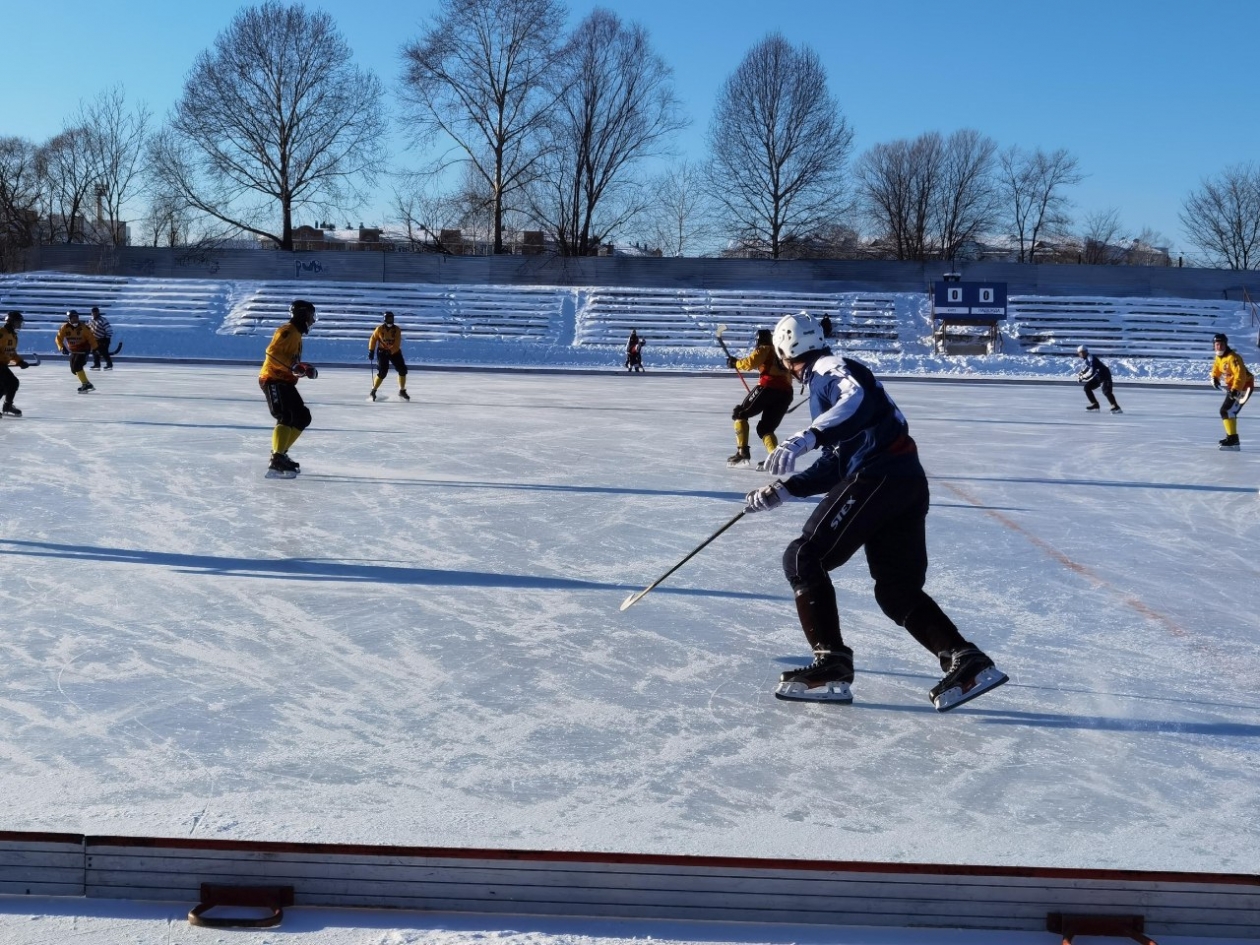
point(983, 301)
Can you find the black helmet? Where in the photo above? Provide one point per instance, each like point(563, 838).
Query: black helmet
point(72, 316)
point(765, 336)
point(14, 319)
point(1220, 339)
point(389, 318)
point(302, 314)
point(95, 310)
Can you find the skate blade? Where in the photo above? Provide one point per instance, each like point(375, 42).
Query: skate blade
point(827, 692)
point(955, 696)
point(1229, 449)
point(281, 474)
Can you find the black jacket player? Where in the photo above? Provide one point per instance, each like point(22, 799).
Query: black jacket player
point(1094, 374)
point(875, 496)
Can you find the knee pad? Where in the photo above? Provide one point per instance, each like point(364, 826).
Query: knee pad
point(800, 566)
point(897, 601)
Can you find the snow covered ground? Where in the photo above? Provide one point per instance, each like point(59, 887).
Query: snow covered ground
point(419, 642)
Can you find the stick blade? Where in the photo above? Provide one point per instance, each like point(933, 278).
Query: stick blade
point(633, 599)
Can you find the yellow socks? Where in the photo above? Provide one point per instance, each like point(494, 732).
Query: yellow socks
point(1231, 426)
point(283, 437)
point(741, 433)
point(81, 375)
point(771, 441)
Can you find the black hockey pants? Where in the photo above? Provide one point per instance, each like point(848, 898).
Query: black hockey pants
point(1233, 404)
point(9, 384)
point(285, 404)
point(886, 515)
point(771, 402)
point(102, 351)
point(384, 359)
point(1105, 384)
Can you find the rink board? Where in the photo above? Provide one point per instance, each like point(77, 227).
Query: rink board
point(606, 885)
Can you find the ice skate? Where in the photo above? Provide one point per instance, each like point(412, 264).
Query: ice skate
point(402, 392)
point(741, 457)
point(968, 673)
point(1231, 443)
point(824, 680)
point(372, 394)
point(280, 469)
point(11, 410)
point(1116, 409)
point(761, 466)
point(1093, 407)
point(284, 459)
point(84, 388)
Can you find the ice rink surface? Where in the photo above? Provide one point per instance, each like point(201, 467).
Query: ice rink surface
point(418, 641)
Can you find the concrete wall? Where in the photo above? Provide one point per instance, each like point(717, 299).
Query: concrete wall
point(817, 275)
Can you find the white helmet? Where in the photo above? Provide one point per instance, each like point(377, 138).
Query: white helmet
point(796, 335)
point(1083, 351)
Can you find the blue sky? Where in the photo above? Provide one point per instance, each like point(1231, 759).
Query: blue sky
point(1151, 97)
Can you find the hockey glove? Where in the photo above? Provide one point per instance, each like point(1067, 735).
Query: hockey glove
point(23, 365)
point(730, 361)
point(302, 369)
point(783, 460)
point(768, 497)
point(1216, 383)
point(371, 355)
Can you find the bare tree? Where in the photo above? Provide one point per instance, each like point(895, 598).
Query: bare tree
point(274, 118)
point(168, 220)
point(1149, 248)
point(899, 184)
point(966, 203)
point(681, 218)
point(69, 181)
point(1032, 188)
point(616, 107)
point(424, 212)
point(1100, 238)
point(20, 198)
point(778, 145)
point(482, 75)
point(1222, 217)
point(116, 143)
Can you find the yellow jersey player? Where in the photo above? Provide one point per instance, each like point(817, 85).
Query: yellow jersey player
point(1238, 381)
point(8, 355)
point(75, 338)
point(770, 398)
point(281, 368)
point(385, 348)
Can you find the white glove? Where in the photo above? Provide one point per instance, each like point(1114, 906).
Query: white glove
point(783, 460)
point(768, 497)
